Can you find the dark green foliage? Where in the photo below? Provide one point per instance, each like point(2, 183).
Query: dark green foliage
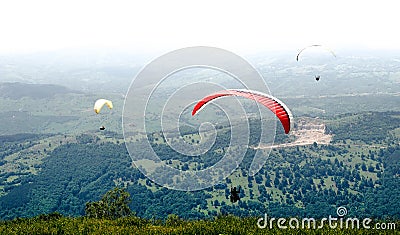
point(51, 216)
point(10, 144)
point(163, 202)
point(385, 200)
point(366, 127)
point(114, 204)
point(72, 175)
point(87, 139)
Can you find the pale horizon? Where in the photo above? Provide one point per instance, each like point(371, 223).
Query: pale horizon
point(157, 27)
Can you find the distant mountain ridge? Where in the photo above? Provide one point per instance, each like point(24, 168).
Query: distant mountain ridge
point(17, 90)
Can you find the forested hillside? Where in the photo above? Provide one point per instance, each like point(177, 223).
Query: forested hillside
point(358, 170)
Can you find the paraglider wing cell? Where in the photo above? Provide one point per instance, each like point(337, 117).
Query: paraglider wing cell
point(100, 103)
point(272, 103)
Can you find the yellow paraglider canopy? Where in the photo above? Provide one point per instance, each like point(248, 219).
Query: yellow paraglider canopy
point(100, 103)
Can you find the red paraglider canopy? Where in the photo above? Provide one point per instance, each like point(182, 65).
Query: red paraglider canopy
point(272, 103)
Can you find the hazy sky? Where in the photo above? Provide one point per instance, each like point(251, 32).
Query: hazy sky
point(149, 26)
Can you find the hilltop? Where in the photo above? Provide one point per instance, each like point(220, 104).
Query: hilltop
point(19, 90)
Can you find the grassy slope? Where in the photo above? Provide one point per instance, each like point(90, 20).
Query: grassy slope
point(134, 225)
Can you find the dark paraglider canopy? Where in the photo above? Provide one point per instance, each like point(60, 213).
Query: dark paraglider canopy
point(326, 48)
point(313, 46)
point(102, 128)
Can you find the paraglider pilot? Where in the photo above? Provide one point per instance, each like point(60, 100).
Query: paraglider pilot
point(235, 194)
